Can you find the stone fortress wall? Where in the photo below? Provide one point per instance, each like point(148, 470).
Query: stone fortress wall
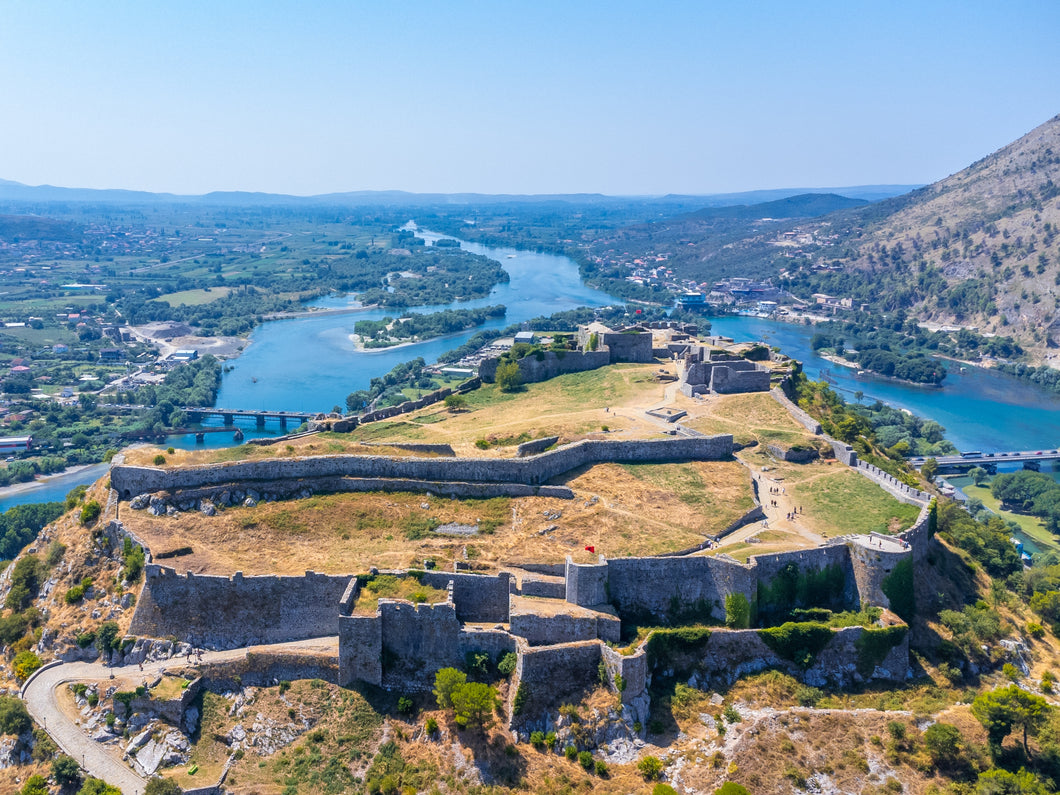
point(701, 370)
point(531, 470)
point(230, 612)
point(401, 645)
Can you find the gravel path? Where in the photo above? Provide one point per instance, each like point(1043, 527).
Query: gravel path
point(104, 761)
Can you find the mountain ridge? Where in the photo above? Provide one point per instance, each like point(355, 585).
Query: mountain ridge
point(17, 191)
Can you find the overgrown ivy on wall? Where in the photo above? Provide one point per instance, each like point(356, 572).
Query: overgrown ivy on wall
point(898, 588)
point(874, 644)
point(665, 644)
point(798, 642)
point(795, 588)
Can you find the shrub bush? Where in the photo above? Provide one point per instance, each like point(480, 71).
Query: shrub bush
point(14, 719)
point(650, 767)
point(159, 460)
point(585, 759)
point(800, 643)
point(570, 752)
point(25, 663)
point(66, 771)
point(55, 553)
point(506, 664)
point(90, 511)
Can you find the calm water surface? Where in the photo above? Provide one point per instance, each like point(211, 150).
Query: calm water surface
point(310, 364)
point(980, 409)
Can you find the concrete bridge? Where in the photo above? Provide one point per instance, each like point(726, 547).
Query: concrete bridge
point(949, 464)
point(228, 416)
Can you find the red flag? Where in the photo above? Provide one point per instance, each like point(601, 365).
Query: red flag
point(590, 549)
point(638, 311)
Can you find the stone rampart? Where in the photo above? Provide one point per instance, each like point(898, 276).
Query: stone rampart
point(633, 668)
point(727, 379)
point(586, 583)
point(919, 533)
point(767, 567)
point(361, 649)
point(545, 630)
point(532, 470)
point(669, 590)
point(431, 449)
point(804, 419)
point(191, 499)
point(549, 589)
point(872, 564)
point(403, 644)
point(229, 612)
point(418, 639)
point(535, 447)
point(552, 674)
point(792, 454)
point(902, 492)
point(407, 406)
point(264, 668)
point(550, 364)
point(476, 597)
point(679, 589)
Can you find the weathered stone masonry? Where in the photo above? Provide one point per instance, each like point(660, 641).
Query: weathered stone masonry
point(230, 612)
point(531, 470)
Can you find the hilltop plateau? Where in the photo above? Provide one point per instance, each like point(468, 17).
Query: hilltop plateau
point(290, 732)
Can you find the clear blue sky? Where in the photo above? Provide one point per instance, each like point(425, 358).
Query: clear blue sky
point(517, 97)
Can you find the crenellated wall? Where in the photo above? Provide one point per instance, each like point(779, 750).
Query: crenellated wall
point(229, 612)
point(678, 589)
point(532, 470)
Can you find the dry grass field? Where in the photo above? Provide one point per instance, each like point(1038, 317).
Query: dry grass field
point(621, 510)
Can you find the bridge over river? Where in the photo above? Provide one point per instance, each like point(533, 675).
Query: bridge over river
point(949, 464)
point(196, 415)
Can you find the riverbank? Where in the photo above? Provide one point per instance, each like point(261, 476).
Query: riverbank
point(42, 480)
point(51, 488)
point(360, 347)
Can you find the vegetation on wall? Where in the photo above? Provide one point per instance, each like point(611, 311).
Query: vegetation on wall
point(898, 588)
point(793, 588)
point(799, 642)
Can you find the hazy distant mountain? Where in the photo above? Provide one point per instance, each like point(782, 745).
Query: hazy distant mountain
point(806, 205)
point(17, 192)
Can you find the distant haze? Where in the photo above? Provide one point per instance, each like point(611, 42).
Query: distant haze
point(619, 98)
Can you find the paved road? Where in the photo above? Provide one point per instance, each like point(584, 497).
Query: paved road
point(104, 761)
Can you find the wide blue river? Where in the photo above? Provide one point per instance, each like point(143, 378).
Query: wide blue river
point(311, 364)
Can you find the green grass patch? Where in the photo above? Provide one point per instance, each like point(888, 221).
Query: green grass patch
point(826, 502)
point(1032, 526)
point(875, 644)
point(387, 586)
point(198, 297)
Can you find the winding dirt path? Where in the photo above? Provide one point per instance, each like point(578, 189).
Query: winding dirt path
point(104, 761)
